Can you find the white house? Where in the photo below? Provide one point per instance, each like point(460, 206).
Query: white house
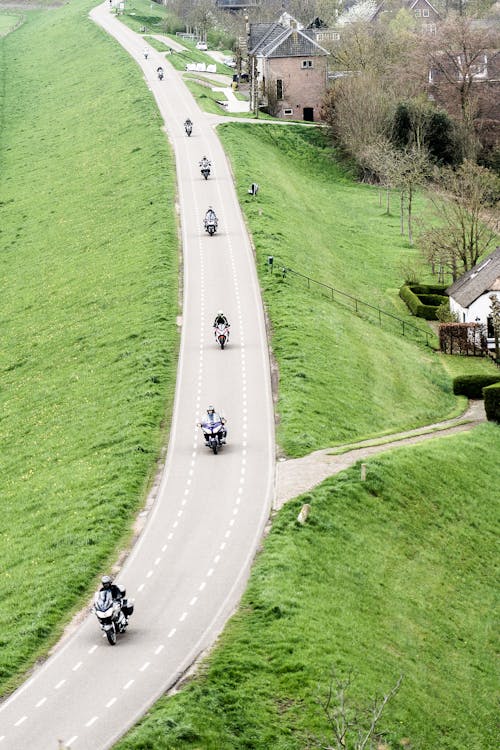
point(470, 295)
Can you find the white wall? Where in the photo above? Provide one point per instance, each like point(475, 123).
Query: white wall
point(481, 309)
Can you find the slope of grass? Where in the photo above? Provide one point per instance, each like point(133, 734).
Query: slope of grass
point(341, 377)
point(8, 22)
point(394, 575)
point(88, 265)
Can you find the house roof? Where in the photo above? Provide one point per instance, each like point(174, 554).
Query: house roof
point(484, 277)
point(277, 41)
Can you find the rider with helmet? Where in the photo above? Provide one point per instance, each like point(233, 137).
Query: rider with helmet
point(210, 216)
point(211, 418)
point(117, 592)
point(220, 319)
point(205, 163)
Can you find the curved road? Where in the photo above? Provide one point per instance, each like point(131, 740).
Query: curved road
point(192, 560)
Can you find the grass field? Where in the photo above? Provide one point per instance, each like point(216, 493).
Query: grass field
point(391, 576)
point(89, 297)
point(8, 22)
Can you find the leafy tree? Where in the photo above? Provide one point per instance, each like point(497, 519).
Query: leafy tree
point(418, 123)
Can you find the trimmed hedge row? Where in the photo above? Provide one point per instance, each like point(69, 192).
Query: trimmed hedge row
point(472, 385)
point(423, 301)
point(492, 402)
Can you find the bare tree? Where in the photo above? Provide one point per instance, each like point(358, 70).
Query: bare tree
point(457, 59)
point(464, 208)
point(352, 727)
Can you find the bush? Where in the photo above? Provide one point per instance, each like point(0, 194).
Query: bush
point(472, 385)
point(491, 396)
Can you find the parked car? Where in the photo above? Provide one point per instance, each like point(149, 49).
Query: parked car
point(230, 62)
point(202, 46)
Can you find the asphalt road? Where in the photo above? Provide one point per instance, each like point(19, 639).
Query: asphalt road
point(191, 562)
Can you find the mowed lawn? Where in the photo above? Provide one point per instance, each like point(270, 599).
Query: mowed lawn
point(89, 266)
point(341, 377)
point(391, 576)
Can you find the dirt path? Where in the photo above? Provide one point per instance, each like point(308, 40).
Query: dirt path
point(295, 476)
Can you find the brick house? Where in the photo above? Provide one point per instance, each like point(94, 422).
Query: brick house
point(287, 69)
point(425, 14)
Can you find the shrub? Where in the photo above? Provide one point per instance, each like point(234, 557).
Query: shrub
point(472, 385)
point(491, 396)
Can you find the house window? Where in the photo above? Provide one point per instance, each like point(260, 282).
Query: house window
point(288, 111)
point(335, 36)
point(279, 89)
point(418, 12)
point(307, 63)
point(489, 325)
point(425, 12)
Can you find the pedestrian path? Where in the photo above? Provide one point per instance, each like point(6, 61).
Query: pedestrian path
point(295, 476)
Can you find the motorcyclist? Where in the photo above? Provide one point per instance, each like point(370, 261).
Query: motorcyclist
point(145, 52)
point(160, 72)
point(117, 592)
point(210, 216)
point(220, 319)
point(205, 163)
point(211, 418)
point(187, 123)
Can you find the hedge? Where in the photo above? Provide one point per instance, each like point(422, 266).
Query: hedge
point(492, 402)
point(472, 385)
point(415, 304)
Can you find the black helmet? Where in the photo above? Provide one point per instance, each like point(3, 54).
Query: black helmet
point(106, 582)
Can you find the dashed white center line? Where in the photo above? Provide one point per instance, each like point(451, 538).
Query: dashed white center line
point(202, 586)
point(144, 666)
point(210, 572)
point(158, 560)
point(128, 684)
point(91, 721)
point(227, 534)
point(193, 601)
point(41, 702)
point(71, 740)
point(91, 650)
point(170, 536)
point(183, 617)
point(216, 559)
point(164, 548)
point(20, 721)
point(140, 588)
point(59, 684)
point(159, 649)
point(172, 632)
point(77, 666)
point(149, 574)
point(110, 703)
point(231, 523)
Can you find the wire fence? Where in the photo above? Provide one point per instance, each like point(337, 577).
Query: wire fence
point(358, 306)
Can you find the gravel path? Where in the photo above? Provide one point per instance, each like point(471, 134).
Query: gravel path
point(298, 475)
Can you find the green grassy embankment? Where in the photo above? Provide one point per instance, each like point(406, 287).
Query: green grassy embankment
point(394, 575)
point(89, 298)
point(341, 377)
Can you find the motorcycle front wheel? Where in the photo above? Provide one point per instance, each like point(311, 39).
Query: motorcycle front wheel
point(111, 636)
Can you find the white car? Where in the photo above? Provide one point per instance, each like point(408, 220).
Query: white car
point(230, 62)
point(202, 46)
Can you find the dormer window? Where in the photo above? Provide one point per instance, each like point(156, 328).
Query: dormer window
point(425, 12)
point(418, 12)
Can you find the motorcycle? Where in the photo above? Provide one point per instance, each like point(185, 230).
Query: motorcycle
point(221, 334)
point(205, 172)
point(211, 226)
point(214, 434)
point(188, 127)
point(112, 614)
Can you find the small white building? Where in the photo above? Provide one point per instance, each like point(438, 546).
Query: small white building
point(470, 295)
